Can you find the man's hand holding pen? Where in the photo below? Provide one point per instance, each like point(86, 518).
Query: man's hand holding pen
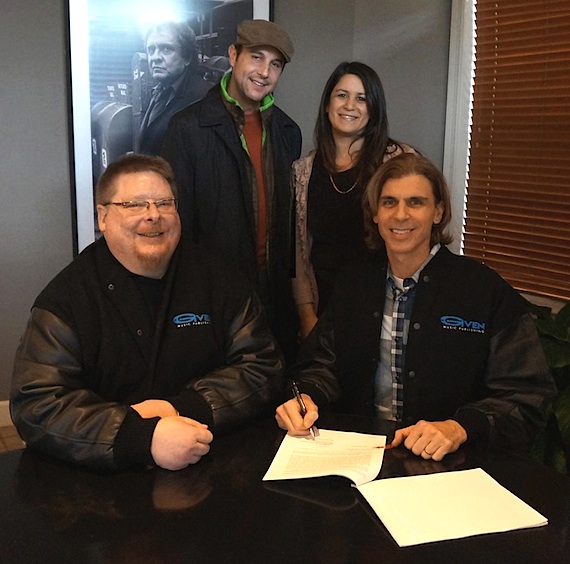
point(430, 440)
point(290, 416)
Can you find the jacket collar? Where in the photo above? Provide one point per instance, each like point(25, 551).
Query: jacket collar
point(118, 285)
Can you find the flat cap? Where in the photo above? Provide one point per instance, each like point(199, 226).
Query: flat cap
point(252, 33)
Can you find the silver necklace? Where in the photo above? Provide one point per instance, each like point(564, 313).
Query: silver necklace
point(342, 191)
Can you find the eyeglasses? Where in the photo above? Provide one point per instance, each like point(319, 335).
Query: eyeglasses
point(138, 207)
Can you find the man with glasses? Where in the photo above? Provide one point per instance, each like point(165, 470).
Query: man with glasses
point(144, 344)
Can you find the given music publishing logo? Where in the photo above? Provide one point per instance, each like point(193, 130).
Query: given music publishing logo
point(191, 319)
point(459, 324)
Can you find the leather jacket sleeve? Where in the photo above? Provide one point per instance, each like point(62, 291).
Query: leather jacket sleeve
point(517, 379)
point(50, 405)
point(55, 412)
point(314, 371)
point(250, 382)
point(520, 388)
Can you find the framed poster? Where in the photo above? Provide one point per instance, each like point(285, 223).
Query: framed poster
point(112, 84)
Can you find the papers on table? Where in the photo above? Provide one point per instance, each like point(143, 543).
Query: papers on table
point(355, 456)
point(448, 505)
point(414, 509)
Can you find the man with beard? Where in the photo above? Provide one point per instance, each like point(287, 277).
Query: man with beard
point(144, 344)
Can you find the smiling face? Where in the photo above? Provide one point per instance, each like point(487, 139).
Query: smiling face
point(255, 74)
point(407, 210)
point(142, 243)
point(164, 53)
point(347, 110)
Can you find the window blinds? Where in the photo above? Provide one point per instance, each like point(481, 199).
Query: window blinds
point(518, 188)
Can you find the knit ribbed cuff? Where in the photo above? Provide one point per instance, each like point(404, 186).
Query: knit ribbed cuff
point(132, 444)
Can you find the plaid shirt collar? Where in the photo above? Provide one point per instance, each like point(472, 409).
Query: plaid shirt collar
point(416, 275)
point(399, 303)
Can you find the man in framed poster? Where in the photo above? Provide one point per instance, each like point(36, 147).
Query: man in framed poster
point(111, 85)
point(232, 154)
point(172, 56)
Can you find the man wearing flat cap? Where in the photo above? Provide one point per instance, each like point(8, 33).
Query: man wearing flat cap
point(232, 153)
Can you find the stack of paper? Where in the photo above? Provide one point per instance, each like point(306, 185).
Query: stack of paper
point(415, 509)
point(448, 505)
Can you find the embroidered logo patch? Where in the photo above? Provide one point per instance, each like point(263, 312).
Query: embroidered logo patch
point(191, 319)
point(459, 324)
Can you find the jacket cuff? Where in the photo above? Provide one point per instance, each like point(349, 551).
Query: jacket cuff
point(475, 424)
point(132, 444)
point(191, 404)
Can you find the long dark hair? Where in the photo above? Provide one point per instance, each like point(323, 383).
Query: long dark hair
point(375, 133)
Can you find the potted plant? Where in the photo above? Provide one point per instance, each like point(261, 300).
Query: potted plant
point(553, 447)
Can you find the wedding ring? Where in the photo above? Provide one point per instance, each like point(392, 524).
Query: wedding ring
point(428, 453)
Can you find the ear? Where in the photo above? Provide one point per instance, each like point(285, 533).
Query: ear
point(102, 217)
point(375, 216)
point(438, 213)
point(232, 53)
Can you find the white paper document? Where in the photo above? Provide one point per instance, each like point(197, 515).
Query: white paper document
point(448, 505)
point(355, 456)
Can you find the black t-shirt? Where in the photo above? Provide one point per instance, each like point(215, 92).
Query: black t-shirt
point(152, 291)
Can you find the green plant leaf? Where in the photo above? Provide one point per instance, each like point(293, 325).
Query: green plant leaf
point(550, 328)
point(555, 459)
point(563, 317)
point(539, 312)
point(553, 447)
point(561, 408)
point(548, 449)
point(557, 352)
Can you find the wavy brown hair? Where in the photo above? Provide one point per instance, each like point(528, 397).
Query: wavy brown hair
point(406, 164)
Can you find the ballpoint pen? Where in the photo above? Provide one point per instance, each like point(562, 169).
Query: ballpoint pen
point(302, 406)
